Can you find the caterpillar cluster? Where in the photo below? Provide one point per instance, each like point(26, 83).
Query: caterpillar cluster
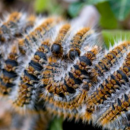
point(48, 64)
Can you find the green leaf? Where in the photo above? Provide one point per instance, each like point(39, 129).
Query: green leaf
point(75, 8)
point(111, 36)
point(120, 8)
point(95, 1)
point(55, 9)
point(41, 5)
point(107, 20)
point(56, 124)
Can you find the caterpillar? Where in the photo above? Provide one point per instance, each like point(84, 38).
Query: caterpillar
point(47, 66)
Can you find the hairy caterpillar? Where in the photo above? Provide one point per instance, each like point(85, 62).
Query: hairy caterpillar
point(50, 65)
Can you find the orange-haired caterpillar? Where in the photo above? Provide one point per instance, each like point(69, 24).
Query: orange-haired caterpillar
point(16, 22)
point(57, 48)
point(76, 43)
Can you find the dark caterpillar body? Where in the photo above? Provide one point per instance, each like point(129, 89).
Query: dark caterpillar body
point(76, 43)
point(56, 48)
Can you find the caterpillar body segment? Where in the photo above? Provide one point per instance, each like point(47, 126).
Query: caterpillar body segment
point(50, 70)
point(74, 102)
point(57, 47)
point(30, 23)
point(13, 17)
point(16, 25)
point(113, 83)
point(28, 90)
point(117, 109)
point(111, 59)
point(37, 34)
point(116, 80)
point(74, 77)
point(36, 64)
point(8, 73)
point(12, 29)
point(12, 26)
point(76, 43)
point(80, 71)
point(68, 109)
point(67, 114)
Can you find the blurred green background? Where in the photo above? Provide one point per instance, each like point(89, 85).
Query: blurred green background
point(113, 19)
